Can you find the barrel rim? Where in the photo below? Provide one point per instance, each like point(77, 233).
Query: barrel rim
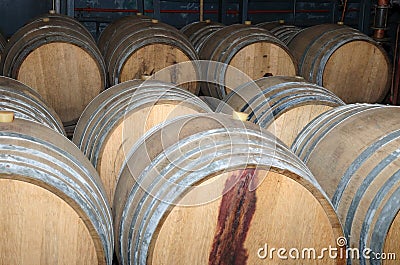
point(327, 201)
point(56, 144)
point(21, 90)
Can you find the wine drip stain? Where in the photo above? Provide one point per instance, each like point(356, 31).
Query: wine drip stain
point(235, 214)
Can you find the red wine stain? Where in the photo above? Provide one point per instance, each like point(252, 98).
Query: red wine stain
point(236, 211)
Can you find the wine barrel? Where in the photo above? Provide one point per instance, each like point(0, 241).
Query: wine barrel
point(282, 104)
point(286, 32)
point(194, 191)
point(113, 28)
point(57, 58)
point(343, 60)
point(113, 121)
point(199, 31)
point(3, 43)
point(252, 50)
point(70, 21)
point(53, 207)
point(144, 48)
point(27, 104)
point(353, 152)
point(282, 31)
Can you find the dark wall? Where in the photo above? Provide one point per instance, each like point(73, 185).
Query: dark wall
point(15, 13)
point(96, 14)
point(180, 13)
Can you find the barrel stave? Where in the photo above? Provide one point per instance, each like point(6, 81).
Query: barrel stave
point(151, 172)
point(27, 104)
point(363, 183)
point(283, 105)
point(46, 163)
point(55, 57)
point(338, 58)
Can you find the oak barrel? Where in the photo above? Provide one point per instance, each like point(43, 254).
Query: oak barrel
point(143, 48)
point(285, 32)
point(252, 50)
point(343, 60)
point(72, 22)
point(195, 191)
point(117, 118)
point(282, 31)
point(56, 57)
point(282, 104)
point(199, 31)
point(113, 28)
point(53, 207)
point(353, 152)
point(27, 104)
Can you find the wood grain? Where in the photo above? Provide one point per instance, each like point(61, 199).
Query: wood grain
point(152, 58)
point(198, 32)
point(175, 181)
point(343, 60)
point(391, 242)
point(282, 104)
point(353, 153)
point(27, 104)
point(144, 47)
point(119, 143)
point(235, 214)
point(288, 125)
point(66, 76)
point(190, 230)
point(52, 202)
point(251, 51)
point(361, 77)
point(259, 59)
point(38, 227)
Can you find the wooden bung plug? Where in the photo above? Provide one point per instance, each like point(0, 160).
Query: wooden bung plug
point(281, 21)
point(6, 116)
point(145, 77)
point(247, 22)
point(155, 21)
point(46, 19)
